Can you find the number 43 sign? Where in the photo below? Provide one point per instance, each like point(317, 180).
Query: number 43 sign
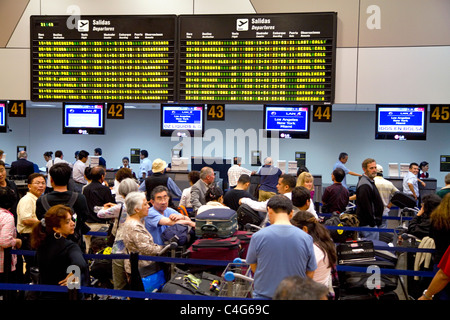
point(216, 112)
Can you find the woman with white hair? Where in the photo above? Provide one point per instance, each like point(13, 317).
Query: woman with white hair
point(135, 236)
point(119, 212)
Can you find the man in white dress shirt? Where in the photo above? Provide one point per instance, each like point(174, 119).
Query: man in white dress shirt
point(236, 171)
point(78, 170)
point(145, 166)
point(411, 182)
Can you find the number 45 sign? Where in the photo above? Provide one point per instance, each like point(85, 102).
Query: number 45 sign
point(439, 113)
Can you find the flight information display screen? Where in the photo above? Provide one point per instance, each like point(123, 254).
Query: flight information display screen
point(2, 116)
point(182, 118)
point(103, 58)
point(83, 118)
point(267, 58)
point(289, 122)
point(401, 122)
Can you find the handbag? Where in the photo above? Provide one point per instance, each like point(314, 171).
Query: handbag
point(110, 238)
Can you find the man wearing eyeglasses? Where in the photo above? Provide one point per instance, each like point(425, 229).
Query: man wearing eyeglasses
point(26, 215)
point(160, 215)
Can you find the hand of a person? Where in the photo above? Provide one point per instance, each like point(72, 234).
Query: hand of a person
point(176, 217)
point(64, 282)
point(108, 205)
point(18, 243)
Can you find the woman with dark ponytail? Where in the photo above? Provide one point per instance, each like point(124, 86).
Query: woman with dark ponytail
point(55, 253)
point(213, 198)
point(324, 247)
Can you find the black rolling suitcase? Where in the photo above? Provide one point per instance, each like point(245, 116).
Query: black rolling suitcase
point(356, 282)
point(362, 254)
point(389, 296)
point(245, 214)
point(402, 200)
point(355, 251)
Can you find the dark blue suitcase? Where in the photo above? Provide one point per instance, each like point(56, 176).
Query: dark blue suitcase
point(216, 223)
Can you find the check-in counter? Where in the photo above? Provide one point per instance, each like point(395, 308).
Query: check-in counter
point(255, 179)
point(430, 185)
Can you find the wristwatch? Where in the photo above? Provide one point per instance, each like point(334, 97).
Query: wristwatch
point(427, 296)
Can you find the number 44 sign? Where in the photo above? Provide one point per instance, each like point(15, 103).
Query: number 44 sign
point(322, 114)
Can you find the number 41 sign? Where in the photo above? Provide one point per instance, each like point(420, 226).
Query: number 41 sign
point(17, 108)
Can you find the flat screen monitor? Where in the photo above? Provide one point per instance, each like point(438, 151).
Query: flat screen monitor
point(83, 118)
point(401, 122)
point(182, 120)
point(287, 121)
point(3, 125)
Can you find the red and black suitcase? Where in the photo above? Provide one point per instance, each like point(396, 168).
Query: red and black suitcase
point(244, 237)
point(215, 249)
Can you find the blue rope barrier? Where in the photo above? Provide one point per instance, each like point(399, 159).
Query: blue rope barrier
point(97, 233)
point(397, 272)
point(327, 215)
point(113, 292)
point(360, 229)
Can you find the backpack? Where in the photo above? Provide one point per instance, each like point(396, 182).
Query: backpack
point(182, 209)
point(84, 229)
point(183, 232)
point(343, 220)
point(72, 200)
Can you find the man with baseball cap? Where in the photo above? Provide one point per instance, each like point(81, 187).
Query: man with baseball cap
point(159, 178)
point(386, 189)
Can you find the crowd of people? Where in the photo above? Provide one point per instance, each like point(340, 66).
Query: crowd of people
point(63, 205)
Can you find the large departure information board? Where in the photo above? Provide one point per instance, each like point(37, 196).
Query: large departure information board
point(103, 58)
point(268, 58)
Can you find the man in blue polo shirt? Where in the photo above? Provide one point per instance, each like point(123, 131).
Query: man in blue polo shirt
point(343, 158)
point(280, 250)
point(160, 215)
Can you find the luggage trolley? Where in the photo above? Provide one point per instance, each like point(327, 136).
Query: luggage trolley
point(407, 206)
point(236, 280)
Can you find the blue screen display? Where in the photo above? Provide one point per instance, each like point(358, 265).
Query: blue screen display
point(83, 116)
point(401, 119)
point(401, 122)
point(2, 114)
point(182, 118)
point(289, 121)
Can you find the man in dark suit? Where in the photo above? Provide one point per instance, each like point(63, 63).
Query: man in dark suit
point(21, 167)
point(96, 194)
